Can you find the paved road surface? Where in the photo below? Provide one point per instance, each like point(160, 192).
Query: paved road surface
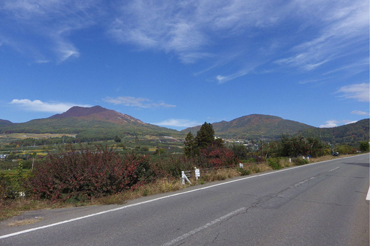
point(316, 204)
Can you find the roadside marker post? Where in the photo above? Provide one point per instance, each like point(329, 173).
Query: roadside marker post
point(183, 178)
point(197, 173)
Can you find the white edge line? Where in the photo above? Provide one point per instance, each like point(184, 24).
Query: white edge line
point(161, 198)
point(368, 195)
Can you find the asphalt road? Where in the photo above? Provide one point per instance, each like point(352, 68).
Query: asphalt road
point(317, 204)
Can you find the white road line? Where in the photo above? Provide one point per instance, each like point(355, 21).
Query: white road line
point(157, 199)
point(368, 195)
point(225, 217)
point(333, 169)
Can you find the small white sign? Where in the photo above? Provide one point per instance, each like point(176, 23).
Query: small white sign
point(197, 173)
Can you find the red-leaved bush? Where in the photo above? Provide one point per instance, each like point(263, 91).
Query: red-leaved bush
point(86, 173)
point(218, 157)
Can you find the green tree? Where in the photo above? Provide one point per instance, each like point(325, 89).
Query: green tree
point(205, 136)
point(344, 149)
point(295, 146)
point(364, 146)
point(190, 145)
point(240, 151)
point(117, 139)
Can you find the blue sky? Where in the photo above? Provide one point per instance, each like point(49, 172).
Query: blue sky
point(180, 63)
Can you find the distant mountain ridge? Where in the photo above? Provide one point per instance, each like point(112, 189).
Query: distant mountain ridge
point(5, 122)
point(255, 126)
point(89, 123)
point(350, 133)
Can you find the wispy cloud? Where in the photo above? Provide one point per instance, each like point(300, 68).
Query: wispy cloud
point(39, 106)
point(286, 33)
point(178, 123)
point(358, 112)
point(222, 79)
point(49, 24)
point(335, 123)
point(190, 29)
point(329, 124)
point(360, 92)
point(137, 102)
point(339, 27)
point(353, 68)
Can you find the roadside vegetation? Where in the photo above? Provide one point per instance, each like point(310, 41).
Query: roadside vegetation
point(113, 172)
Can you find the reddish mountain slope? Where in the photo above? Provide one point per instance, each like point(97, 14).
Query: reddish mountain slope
point(97, 113)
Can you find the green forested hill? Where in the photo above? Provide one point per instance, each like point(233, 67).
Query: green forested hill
point(349, 134)
point(5, 123)
point(255, 126)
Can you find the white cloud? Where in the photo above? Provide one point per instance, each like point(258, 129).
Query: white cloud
point(339, 27)
point(65, 50)
point(178, 123)
point(354, 68)
point(319, 31)
point(222, 79)
point(360, 92)
point(358, 112)
point(50, 22)
point(190, 28)
point(40, 106)
point(329, 124)
point(137, 102)
point(335, 123)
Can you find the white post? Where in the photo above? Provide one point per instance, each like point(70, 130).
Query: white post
point(183, 178)
point(241, 165)
point(290, 159)
point(197, 173)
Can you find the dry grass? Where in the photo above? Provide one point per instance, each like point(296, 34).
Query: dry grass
point(157, 187)
point(328, 157)
point(10, 208)
point(24, 222)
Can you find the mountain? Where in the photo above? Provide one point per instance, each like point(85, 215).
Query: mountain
point(89, 123)
point(255, 126)
point(349, 134)
point(5, 122)
point(97, 113)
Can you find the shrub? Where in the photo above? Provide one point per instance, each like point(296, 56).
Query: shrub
point(8, 187)
point(173, 165)
point(364, 146)
point(11, 186)
point(243, 171)
point(80, 175)
point(218, 157)
point(274, 163)
point(299, 161)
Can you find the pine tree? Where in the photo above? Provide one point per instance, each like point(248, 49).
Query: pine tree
point(190, 147)
point(205, 136)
